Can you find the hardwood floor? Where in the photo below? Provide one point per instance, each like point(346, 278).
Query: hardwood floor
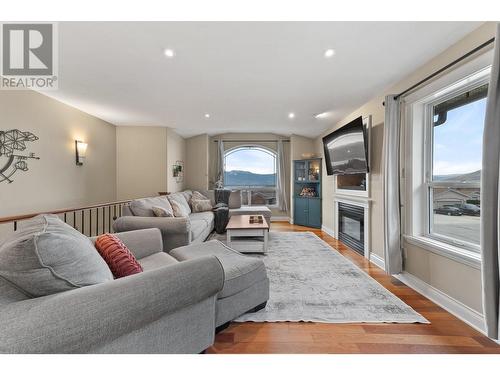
point(445, 334)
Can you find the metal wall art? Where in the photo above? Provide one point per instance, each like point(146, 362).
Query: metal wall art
point(12, 155)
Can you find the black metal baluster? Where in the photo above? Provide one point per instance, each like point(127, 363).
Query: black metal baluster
point(83, 221)
point(109, 219)
point(15, 226)
point(97, 222)
point(74, 219)
point(65, 218)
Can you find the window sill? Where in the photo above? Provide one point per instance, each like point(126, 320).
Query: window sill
point(455, 253)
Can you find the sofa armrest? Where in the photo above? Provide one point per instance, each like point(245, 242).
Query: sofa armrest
point(82, 319)
point(172, 225)
point(142, 242)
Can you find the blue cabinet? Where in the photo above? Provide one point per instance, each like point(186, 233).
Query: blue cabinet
point(307, 193)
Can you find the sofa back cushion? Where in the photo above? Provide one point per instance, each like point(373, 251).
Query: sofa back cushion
point(235, 199)
point(48, 256)
point(179, 204)
point(144, 206)
point(120, 260)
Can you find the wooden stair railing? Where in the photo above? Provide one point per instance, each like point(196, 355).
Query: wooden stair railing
point(90, 220)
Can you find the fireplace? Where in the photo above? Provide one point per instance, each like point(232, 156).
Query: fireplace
point(351, 226)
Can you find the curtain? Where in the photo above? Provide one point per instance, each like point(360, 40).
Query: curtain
point(219, 183)
point(392, 215)
point(490, 203)
point(281, 179)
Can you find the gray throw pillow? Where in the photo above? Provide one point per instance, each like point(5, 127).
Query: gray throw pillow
point(210, 194)
point(198, 196)
point(161, 212)
point(201, 205)
point(235, 199)
point(182, 206)
point(144, 207)
point(48, 256)
point(180, 210)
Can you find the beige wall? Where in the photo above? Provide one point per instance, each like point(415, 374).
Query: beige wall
point(246, 138)
point(176, 151)
point(55, 181)
point(141, 161)
point(145, 157)
point(298, 146)
point(459, 281)
point(197, 159)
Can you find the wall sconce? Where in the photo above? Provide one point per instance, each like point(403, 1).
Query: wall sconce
point(81, 151)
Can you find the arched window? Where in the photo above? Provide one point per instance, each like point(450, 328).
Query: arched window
point(252, 169)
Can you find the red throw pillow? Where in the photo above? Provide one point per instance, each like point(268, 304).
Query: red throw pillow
point(120, 260)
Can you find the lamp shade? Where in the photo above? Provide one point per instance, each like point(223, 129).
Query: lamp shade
point(81, 152)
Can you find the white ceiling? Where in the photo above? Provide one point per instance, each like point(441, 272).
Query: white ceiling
point(247, 75)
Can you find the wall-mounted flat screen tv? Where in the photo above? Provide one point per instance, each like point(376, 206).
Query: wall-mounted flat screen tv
point(346, 149)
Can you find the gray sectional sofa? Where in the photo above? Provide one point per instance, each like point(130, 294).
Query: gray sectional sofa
point(180, 231)
point(174, 306)
point(168, 308)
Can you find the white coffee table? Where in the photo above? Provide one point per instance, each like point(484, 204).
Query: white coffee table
point(239, 226)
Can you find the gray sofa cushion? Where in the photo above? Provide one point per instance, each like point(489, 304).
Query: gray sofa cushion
point(144, 207)
point(197, 228)
point(207, 217)
point(240, 271)
point(235, 199)
point(182, 208)
point(157, 260)
point(48, 256)
point(188, 194)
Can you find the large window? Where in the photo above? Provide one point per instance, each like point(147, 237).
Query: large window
point(455, 172)
point(252, 170)
point(442, 158)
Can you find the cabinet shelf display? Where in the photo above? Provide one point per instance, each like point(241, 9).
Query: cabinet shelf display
point(307, 192)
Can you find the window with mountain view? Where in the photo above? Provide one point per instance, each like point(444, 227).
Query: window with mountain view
point(252, 170)
point(454, 181)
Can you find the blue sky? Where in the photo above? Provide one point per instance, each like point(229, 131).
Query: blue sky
point(255, 161)
point(458, 142)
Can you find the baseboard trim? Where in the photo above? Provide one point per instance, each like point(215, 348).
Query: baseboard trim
point(280, 218)
point(328, 231)
point(377, 260)
point(457, 308)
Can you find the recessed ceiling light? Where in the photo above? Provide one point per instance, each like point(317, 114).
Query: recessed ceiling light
point(207, 115)
point(291, 115)
point(329, 53)
point(324, 115)
point(169, 52)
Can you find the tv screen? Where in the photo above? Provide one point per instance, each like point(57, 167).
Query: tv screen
point(346, 149)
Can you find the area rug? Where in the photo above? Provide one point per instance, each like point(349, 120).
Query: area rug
point(311, 282)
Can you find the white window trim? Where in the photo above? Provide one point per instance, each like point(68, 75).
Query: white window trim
point(249, 189)
point(416, 144)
